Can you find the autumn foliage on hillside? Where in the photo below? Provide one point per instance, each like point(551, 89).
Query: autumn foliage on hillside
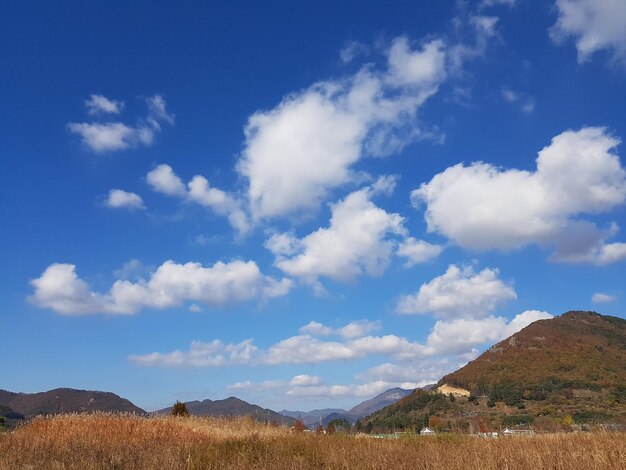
point(560, 374)
point(578, 350)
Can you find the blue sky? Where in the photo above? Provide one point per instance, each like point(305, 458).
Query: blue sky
point(301, 206)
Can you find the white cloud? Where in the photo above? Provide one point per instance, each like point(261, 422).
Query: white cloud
point(106, 137)
point(594, 24)
point(358, 241)
point(304, 349)
point(305, 380)
point(482, 207)
point(408, 68)
point(213, 354)
point(98, 104)
point(118, 198)
point(163, 179)
point(354, 342)
point(221, 203)
point(314, 387)
point(460, 292)
point(424, 373)
point(354, 329)
point(418, 251)
point(301, 349)
point(60, 289)
point(457, 338)
point(112, 136)
point(461, 335)
point(600, 298)
point(297, 152)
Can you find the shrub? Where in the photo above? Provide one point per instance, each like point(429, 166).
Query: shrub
point(512, 420)
point(180, 409)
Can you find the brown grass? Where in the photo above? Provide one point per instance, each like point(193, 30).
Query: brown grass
point(106, 441)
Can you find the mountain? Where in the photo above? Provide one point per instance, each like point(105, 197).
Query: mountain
point(231, 406)
point(8, 413)
point(578, 350)
point(313, 413)
point(552, 374)
point(312, 418)
point(368, 407)
point(338, 416)
point(65, 400)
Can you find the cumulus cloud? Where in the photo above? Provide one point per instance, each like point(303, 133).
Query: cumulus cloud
point(60, 289)
point(98, 104)
point(594, 25)
point(601, 298)
point(459, 292)
point(163, 180)
point(358, 241)
point(111, 136)
point(482, 207)
point(198, 190)
point(295, 153)
point(118, 198)
point(354, 341)
point(311, 386)
point(458, 338)
point(418, 251)
point(461, 335)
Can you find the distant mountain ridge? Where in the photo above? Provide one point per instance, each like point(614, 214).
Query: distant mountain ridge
point(65, 400)
point(231, 406)
point(363, 409)
point(372, 405)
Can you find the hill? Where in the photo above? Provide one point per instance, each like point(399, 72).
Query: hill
point(553, 373)
point(386, 398)
point(65, 400)
point(231, 406)
point(578, 350)
point(314, 417)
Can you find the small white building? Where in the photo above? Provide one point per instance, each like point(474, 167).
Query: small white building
point(427, 432)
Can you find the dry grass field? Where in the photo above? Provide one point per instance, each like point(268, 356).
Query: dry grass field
point(105, 441)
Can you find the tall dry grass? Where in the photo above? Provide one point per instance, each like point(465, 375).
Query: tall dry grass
point(105, 441)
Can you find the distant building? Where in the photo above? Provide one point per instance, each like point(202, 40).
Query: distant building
point(427, 432)
point(517, 432)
